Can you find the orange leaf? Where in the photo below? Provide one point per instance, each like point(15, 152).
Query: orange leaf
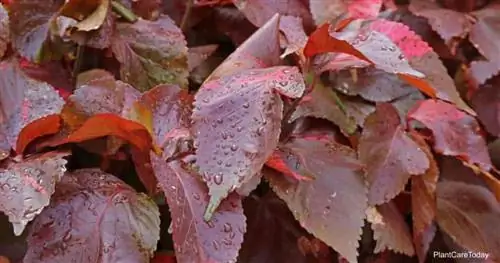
point(107, 124)
point(47, 125)
point(320, 41)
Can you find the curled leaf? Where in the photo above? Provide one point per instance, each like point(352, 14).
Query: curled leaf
point(195, 240)
point(331, 206)
point(455, 132)
point(237, 122)
point(98, 218)
point(151, 53)
point(26, 187)
point(389, 154)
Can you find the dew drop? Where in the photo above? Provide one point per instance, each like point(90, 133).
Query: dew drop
point(218, 178)
point(246, 105)
point(196, 196)
point(210, 224)
point(234, 147)
point(227, 227)
point(219, 162)
point(219, 121)
point(216, 245)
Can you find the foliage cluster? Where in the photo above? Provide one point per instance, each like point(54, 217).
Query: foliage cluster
point(249, 130)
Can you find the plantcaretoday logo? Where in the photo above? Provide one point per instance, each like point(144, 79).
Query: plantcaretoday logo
point(456, 254)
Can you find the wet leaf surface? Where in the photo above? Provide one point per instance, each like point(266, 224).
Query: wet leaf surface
point(260, 11)
point(455, 132)
point(390, 155)
point(26, 187)
point(233, 143)
point(332, 206)
point(151, 53)
point(197, 240)
point(19, 106)
point(94, 216)
point(29, 26)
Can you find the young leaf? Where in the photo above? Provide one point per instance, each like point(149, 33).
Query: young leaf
point(260, 11)
point(332, 206)
point(27, 101)
point(26, 187)
point(38, 128)
point(151, 53)
point(332, 10)
point(455, 132)
point(260, 50)
point(390, 229)
point(421, 57)
point(195, 240)
point(30, 21)
point(98, 92)
point(237, 123)
point(423, 202)
point(135, 134)
point(4, 30)
point(324, 103)
point(93, 216)
point(166, 110)
point(272, 233)
point(368, 45)
point(468, 214)
point(389, 154)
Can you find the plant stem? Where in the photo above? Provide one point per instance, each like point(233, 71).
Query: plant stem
point(123, 11)
point(187, 13)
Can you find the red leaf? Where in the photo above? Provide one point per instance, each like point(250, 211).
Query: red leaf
point(423, 202)
point(196, 240)
point(370, 46)
point(455, 133)
point(295, 35)
point(28, 31)
point(27, 102)
point(233, 143)
point(259, 12)
point(446, 22)
point(390, 229)
point(332, 206)
point(26, 187)
point(272, 233)
point(166, 111)
point(98, 92)
point(284, 161)
point(486, 102)
point(103, 125)
point(260, 50)
point(332, 10)
point(94, 217)
point(468, 214)
point(41, 127)
point(485, 35)
point(390, 155)
point(421, 57)
point(151, 53)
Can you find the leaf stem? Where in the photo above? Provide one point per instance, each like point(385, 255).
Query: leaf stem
point(187, 13)
point(77, 66)
point(123, 11)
